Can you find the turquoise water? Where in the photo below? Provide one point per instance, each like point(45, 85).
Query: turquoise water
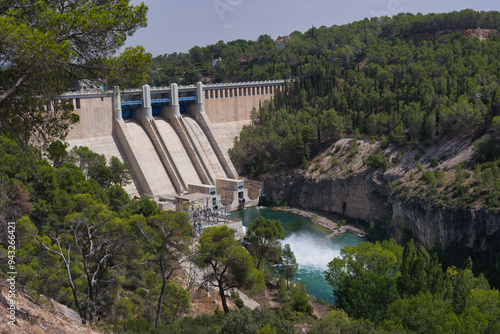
point(304, 237)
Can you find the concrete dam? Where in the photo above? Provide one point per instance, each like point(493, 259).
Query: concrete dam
point(174, 138)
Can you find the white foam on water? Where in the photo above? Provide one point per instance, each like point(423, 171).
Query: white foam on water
point(310, 252)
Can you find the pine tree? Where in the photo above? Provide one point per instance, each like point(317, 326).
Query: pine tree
point(289, 264)
point(282, 290)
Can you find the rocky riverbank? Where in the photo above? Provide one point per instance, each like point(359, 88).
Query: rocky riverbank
point(328, 221)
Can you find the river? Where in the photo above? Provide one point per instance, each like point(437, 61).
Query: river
point(303, 236)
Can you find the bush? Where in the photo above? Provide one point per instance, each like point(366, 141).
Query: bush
point(493, 199)
point(434, 162)
point(397, 159)
point(377, 161)
point(440, 178)
point(429, 178)
point(282, 291)
point(383, 142)
point(486, 150)
point(419, 166)
point(235, 296)
point(246, 321)
point(300, 299)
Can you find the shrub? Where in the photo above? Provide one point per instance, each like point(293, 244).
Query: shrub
point(300, 299)
point(353, 149)
point(440, 178)
point(419, 166)
point(377, 161)
point(397, 158)
point(434, 162)
point(282, 291)
point(383, 142)
point(429, 178)
point(235, 296)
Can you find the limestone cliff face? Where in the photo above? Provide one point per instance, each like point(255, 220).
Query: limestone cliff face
point(460, 231)
point(367, 194)
point(360, 196)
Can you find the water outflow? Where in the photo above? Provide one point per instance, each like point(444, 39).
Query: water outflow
point(311, 250)
point(314, 257)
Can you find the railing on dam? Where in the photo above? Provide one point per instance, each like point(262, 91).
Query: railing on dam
point(184, 88)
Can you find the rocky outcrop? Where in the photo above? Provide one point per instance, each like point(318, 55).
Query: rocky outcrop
point(36, 316)
point(361, 196)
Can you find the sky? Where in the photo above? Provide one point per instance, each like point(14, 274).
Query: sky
point(178, 25)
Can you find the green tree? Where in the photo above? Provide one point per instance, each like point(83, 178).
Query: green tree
point(265, 235)
point(300, 299)
point(57, 152)
point(364, 278)
point(168, 237)
point(46, 46)
point(176, 301)
point(117, 197)
point(413, 278)
point(121, 173)
point(288, 264)
point(229, 264)
point(282, 290)
point(422, 313)
point(96, 239)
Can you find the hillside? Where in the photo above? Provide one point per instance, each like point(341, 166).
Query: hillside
point(43, 315)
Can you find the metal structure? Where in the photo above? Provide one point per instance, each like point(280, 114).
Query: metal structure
point(201, 217)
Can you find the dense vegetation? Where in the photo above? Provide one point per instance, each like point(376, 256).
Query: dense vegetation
point(81, 240)
point(406, 290)
point(47, 46)
point(417, 92)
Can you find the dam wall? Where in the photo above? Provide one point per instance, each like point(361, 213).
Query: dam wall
point(234, 102)
point(172, 137)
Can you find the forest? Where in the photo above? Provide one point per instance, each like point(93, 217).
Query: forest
point(82, 241)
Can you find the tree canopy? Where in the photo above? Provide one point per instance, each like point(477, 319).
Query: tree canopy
point(46, 46)
point(229, 264)
point(265, 235)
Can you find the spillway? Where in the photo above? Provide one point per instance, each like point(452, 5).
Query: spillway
point(148, 160)
point(177, 151)
point(204, 148)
